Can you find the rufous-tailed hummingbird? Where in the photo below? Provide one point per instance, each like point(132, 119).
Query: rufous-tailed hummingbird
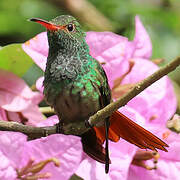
point(76, 86)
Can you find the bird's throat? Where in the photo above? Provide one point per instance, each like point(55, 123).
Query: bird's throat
point(67, 63)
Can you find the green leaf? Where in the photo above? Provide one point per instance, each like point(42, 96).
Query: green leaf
point(14, 59)
point(177, 92)
point(75, 177)
point(33, 73)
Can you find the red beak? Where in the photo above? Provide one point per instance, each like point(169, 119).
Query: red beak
point(47, 24)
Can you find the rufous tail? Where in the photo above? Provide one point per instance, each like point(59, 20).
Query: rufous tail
point(122, 126)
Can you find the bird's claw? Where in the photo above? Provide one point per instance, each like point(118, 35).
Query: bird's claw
point(59, 128)
point(87, 124)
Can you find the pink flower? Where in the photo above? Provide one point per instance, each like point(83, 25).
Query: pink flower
point(39, 84)
point(141, 41)
point(116, 51)
point(16, 153)
point(37, 49)
point(126, 63)
point(168, 166)
point(17, 101)
point(158, 102)
point(10, 143)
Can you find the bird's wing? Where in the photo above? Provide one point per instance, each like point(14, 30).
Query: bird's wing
point(91, 143)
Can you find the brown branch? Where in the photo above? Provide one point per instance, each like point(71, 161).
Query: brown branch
point(31, 131)
point(37, 132)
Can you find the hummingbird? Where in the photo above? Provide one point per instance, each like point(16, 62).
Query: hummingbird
point(76, 86)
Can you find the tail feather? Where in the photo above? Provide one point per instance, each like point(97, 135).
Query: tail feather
point(100, 133)
point(143, 131)
point(93, 147)
point(151, 141)
point(121, 126)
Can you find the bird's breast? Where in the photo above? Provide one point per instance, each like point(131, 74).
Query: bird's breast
point(77, 101)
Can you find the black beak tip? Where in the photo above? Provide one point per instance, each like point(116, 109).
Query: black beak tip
point(33, 19)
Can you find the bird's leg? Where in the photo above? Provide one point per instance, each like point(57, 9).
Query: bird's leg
point(59, 128)
point(88, 124)
point(72, 128)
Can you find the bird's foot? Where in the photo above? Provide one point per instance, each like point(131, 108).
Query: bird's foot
point(88, 124)
point(59, 128)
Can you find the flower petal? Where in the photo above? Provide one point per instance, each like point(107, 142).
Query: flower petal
point(37, 49)
point(6, 170)
point(50, 121)
point(90, 169)
point(39, 84)
point(11, 145)
point(166, 170)
point(66, 148)
point(15, 95)
point(168, 166)
point(33, 114)
point(160, 94)
point(111, 49)
point(171, 138)
point(3, 114)
point(142, 41)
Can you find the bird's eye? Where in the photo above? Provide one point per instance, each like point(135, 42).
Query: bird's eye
point(70, 27)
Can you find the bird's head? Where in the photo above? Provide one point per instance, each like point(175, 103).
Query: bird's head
point(64, 31)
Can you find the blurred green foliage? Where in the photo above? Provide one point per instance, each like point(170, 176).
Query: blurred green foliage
point(160, 17)
point(14, 26)
point(14, 59)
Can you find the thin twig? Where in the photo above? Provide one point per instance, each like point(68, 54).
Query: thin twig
point(37, 132)
point(31, 131)
point(46, 110)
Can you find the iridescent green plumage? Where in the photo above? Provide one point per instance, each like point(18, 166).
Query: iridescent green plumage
point(74, 80)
